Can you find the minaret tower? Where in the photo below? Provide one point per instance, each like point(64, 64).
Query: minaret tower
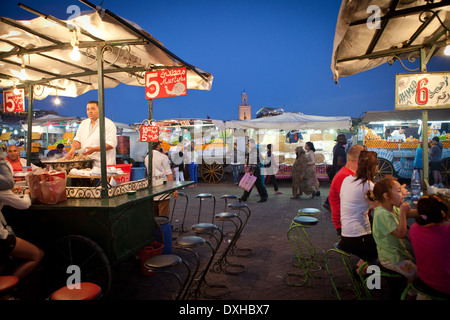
point(245, 110)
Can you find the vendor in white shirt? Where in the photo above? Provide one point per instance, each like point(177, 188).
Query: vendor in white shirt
point(398, 135)
point(88, 137)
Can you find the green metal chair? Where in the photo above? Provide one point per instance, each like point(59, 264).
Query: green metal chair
point(303, 249)
point(420, 287)
point(349, 266)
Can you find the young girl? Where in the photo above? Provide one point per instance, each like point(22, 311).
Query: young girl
point(430, 240)
point(390, 227)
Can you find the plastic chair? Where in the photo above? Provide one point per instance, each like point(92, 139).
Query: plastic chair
point(166, 264)
point(303, 249)
point(203, 197)
point(180, 194)
point(78, 291)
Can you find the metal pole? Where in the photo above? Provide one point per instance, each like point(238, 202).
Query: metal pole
point(101, 122)
point(150, 145)
point(30, 124)
point(423, 68)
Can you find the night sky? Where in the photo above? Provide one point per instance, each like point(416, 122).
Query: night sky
point(279, 52)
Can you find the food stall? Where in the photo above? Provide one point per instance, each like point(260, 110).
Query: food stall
point(275, 130)
point(396, 157)
point(399, 31)
point(94, 227)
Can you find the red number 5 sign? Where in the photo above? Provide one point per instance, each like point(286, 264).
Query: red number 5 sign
point(149, 134)
point(13, 102)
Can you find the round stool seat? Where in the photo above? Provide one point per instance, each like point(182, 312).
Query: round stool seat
point(87, 291)
point(7, 282)
point(190, 241)
point(229, 196)
point(203, 227)
point(180, 193)
point(204, 195)
point(163, 261)
point(237, 205)
point(309, 210)
point(305, 220)
point(162, 220)
point(225, 216)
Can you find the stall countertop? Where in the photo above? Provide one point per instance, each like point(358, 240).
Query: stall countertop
point(116, 201)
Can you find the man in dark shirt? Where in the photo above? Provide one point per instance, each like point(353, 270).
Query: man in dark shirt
point(339, 161)
point(56, 153)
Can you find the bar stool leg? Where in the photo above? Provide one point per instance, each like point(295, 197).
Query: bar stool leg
point(241, 252)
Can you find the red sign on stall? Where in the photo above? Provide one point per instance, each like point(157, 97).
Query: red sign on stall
point(166, 83)
point(14, 102)
point(149, 134)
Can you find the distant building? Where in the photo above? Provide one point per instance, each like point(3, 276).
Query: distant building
point(245, 110)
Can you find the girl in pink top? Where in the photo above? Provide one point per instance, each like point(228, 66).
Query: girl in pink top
point(430, 238)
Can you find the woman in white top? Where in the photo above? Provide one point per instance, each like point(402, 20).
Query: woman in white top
point(312, 176)
point(356, 237)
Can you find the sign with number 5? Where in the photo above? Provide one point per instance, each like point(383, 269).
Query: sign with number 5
point(149, 133)
point(166, 83)
point(14, 102)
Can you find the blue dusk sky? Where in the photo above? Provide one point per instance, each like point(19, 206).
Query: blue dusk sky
point(278, 51)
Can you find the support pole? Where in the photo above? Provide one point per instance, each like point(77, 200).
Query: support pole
point(30, 124)
point(423, 68)
point(101, 122)
point(150, 146)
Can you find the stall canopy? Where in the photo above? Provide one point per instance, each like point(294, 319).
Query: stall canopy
point(42, 47)
point(292, 121)
point(405, 115)
point(404, 28)
point(52, 118)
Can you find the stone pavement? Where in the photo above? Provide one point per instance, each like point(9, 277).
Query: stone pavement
point(265, 233)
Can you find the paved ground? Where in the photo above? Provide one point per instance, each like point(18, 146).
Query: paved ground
point(266, 234)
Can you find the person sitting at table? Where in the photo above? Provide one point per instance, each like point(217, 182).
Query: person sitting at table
point(56, 153)
point(10, 245)
point(429, 237)
point(14, 162)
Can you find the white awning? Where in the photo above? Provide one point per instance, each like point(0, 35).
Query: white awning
point(405, 26)
point(43, 46)
point(293, 121)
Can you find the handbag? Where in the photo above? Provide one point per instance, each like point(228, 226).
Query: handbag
point(247, 182)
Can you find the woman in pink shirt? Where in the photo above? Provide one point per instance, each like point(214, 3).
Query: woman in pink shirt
point(429, 237)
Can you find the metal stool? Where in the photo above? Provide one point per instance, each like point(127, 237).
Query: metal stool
point(420, 287)
point(244, 208)
point(7, 283)
point(227, 197)
point(180, 194)
point(78, 291)
point(202, 197)
point(349, 266)
point(298, 238)
point(308, 211)
point(164, 264)
point(188, 243)
point(222, 263)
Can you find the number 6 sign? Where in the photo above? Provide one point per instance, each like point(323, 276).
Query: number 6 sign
point(13, 102)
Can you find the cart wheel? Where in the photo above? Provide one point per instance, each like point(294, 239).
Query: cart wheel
point(212, 173)
point(445, 171)
point(82, 252)
point(385, 168)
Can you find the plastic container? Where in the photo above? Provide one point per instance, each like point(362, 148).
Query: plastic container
point(415, 185)
point(163, 233)
point(126, 168)
point(137, 174)
point(153, 249)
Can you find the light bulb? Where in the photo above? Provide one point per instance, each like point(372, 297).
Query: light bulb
point(75, 53)
point(447, 50)
point(16, 91)
point(57, 101)
point(23, 74)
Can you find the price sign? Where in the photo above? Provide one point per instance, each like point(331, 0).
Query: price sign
point(166, 83)
point(14, 102)
point(149, 133)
